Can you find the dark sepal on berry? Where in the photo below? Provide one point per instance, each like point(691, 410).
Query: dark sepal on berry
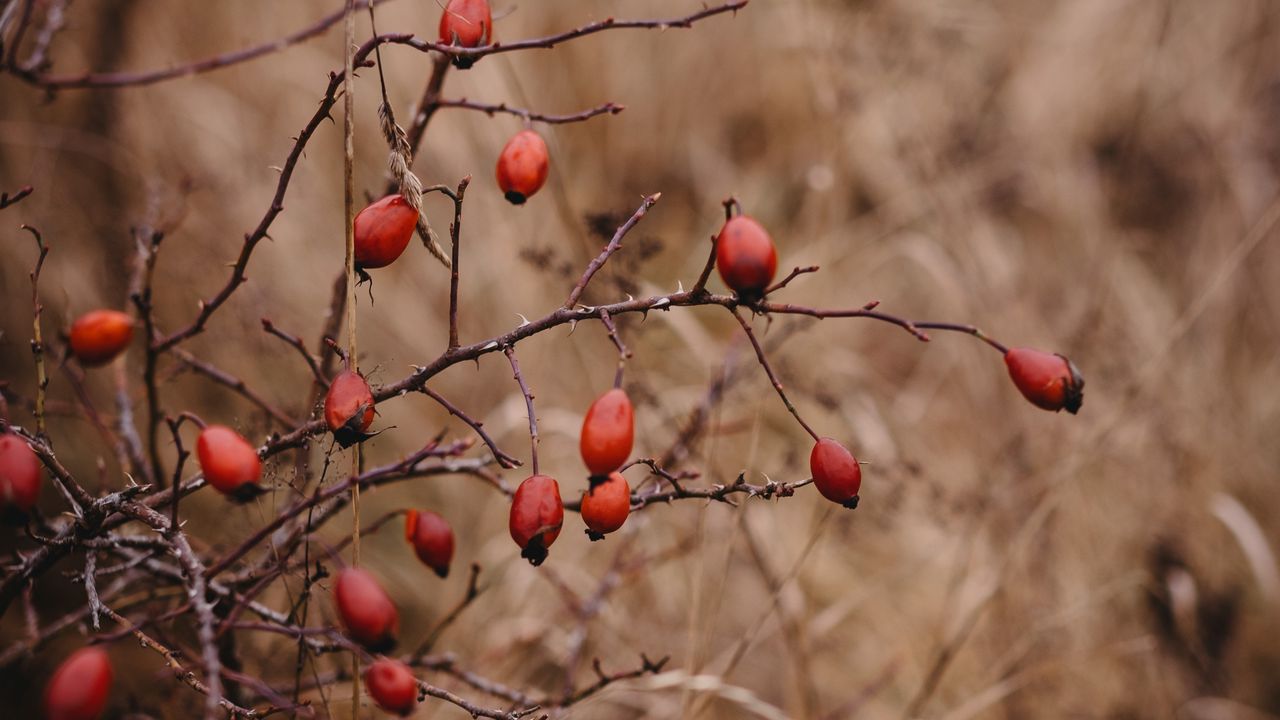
point(595, 536)
point(13, 516)
point(535, 552)
point(851, 503)
point(350, 433)
point(515, 198)
point(247, 492)
point(1073, 391)
point(384, 644)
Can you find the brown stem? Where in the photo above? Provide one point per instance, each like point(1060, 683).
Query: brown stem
point(528, 401)
point(530, 116)
point(773, 377)
point(455, 234)
point(134, 79)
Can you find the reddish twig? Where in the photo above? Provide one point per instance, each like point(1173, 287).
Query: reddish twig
point(6, 199)
point(797, 272)
point(614, 244)
point(623, 352)
point(773, 377)
point(528, 401)
point(301, 347)
point(530, 116)
point(504, 459)
point(234, 383)
point(217, 62)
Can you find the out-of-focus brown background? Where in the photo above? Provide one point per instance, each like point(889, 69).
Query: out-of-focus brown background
point(1096, 177)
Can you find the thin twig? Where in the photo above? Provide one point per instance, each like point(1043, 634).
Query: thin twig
point(6, 199)
point(135, 79)
point(504, 459)
point(528, 401)
point(614, 244)
point(455, 234)
point(773, 377)
point(228, 380)
point(37, 338)
point(623, 352)
point(530, 116)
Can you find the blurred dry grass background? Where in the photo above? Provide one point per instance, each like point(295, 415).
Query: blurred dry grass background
point(1097, 177)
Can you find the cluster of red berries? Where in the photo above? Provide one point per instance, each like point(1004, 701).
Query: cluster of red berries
point(383, 229)
point(537, 511)
point(371, 619)
point(746, 259)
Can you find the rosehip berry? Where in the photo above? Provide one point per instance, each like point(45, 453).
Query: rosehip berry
point(745, 256)
point(467, 23)
point(229, 462)
point(98, 336)
point(1049, 381)
point(608, 432)
point(432, 539)
point(19, 475)
point(383, 230)
point(79, 687)
point(522, 166)
point(348, 408)
point(366, 611)
point(392, 685)
point(836, 472)
point(605, 505)
point(536, 516)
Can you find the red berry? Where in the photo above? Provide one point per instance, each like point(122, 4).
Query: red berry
point(383, 230)
point(836, 472)
point(79, 687)
point(536, 516)
point(97, 337)
point(745, 256)
point(348, 407)
point(522, 166)
point(392, 685)
point(367, 612)
point(229, 462)
point(432, 539)
point(605, 506)
point(19, 474)
point(1049, 381)
point(468, 23)
point(608, 432)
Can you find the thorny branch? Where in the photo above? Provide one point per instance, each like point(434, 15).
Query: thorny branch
point(215, 586)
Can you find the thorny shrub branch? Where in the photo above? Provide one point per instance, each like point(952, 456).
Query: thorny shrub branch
point(216, 586)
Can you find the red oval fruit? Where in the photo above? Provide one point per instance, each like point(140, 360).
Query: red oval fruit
point(383, 230)
point(348, 407)
point(19, 474)
point(522, 166)
point(366, 611)
point(432, 539)
point(98, 336)
point(536, 516)
point(836, 472)
point(608, 432)
point(392, 685)
point(745, 256)
point(229, 462)
point(468, 23)
point(605, 506)
point(1049, 381)
point(79, 687)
